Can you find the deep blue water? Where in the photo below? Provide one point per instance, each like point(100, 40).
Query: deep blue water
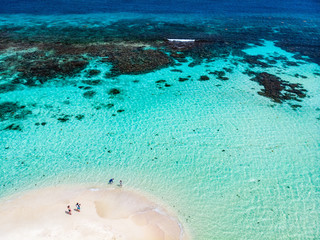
point(164, 6)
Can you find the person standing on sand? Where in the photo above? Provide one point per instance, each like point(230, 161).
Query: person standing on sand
point(120, 183)
point(69, 209)
point(78, 207)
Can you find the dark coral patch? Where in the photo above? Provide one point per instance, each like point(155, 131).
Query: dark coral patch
point(180, 57)
point(256, 61)
point(13, 126)
point(176, 70)
point(161, 81)
point(79, 117)
point(204, 78)
point(183, 79)
point(277, 89)
point(7, 87)
point(64, 118)
point(22, 114)
point(93, 72)
point(298, 75)
point(292, 64)
point(89, 94)
point(7, 110)
point(137, 61)
point(46, 67)
point(220, 75)
point(114, 91)
point(229, 70)
point(12, 110)
point(92, 82)
point(109, 105)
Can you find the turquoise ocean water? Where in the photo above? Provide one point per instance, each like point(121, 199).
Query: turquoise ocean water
point(232, 160)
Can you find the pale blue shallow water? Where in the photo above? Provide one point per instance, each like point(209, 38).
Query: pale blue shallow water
point(231, 163)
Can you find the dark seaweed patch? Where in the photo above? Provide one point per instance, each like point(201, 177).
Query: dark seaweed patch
point(120, 110)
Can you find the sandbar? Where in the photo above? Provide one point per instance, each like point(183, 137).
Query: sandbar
point(106, 213)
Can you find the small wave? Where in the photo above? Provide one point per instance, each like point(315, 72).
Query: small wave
point(180, 40)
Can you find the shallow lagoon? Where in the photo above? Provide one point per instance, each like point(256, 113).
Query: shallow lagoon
point(230, 157)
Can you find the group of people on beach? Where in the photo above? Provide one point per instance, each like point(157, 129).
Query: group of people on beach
point(78, 204)
point(77, 208)
point(112, 179)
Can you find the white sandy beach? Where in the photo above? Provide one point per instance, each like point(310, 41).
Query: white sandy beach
point(106, 213)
